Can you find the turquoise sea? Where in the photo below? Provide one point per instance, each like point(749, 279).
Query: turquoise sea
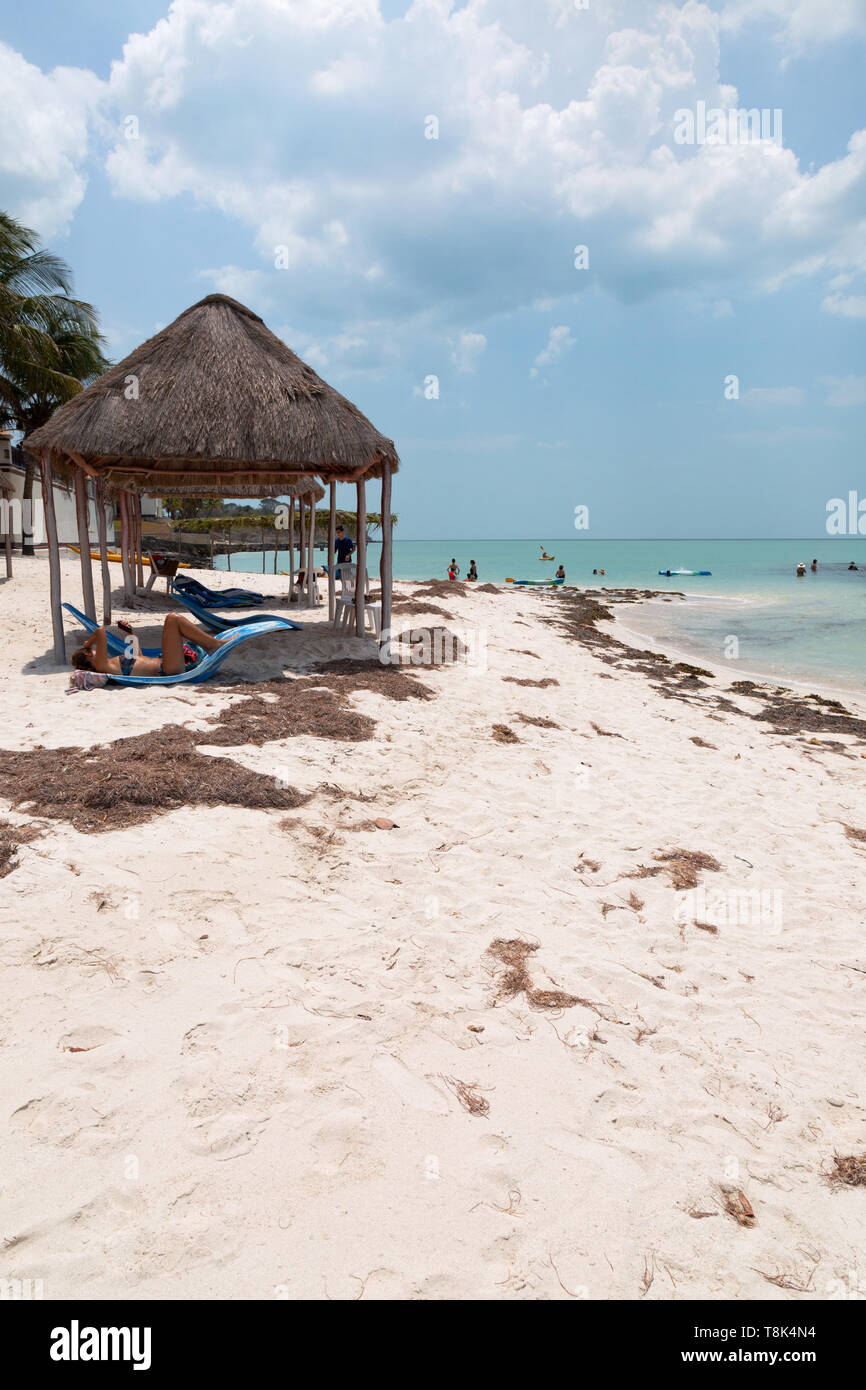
point(809, 629)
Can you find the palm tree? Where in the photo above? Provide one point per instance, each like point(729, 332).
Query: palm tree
point(50, 344)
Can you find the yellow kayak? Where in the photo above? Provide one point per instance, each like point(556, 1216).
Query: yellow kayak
point(116, 558)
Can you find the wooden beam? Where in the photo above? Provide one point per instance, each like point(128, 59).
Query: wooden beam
point(102, 529)
point(84, 544)
point(361, 557)
point(53, 558)
point(386, 569)
point(332, 533)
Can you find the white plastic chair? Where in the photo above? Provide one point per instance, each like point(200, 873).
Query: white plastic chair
point(344, 613)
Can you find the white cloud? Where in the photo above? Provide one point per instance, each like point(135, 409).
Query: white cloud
point(799, 23)
point(305, 124)
point(851, 306)
point(845, 390)
point(774, 396)
point(44, 140)
point(468, 350)
point(558, 341)
point(249, 286)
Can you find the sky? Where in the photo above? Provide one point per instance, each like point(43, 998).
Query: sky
point(400, 191)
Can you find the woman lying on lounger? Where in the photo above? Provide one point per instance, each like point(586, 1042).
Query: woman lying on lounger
point(183, 645)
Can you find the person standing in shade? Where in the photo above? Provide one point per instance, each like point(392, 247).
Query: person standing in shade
point(345, 547)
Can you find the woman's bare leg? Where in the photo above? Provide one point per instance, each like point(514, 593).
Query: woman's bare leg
point(175, 628)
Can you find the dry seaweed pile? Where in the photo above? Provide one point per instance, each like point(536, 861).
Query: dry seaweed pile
point(788, 715)
point(502, 734)
point(401, 602)
point(849, 1170)
point(537, 685)
point(513, 954)
point(432, 646)
point(681, 865)
point(132, 780)
point(578, 614)
point(538, 722)
point(438, 588)
point(11, 838)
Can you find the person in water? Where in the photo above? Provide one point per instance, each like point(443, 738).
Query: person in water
point(177, 654)
point(801, 570)
point(473, 572)
point(814, 567)
point(560, 573)
point(852, 566)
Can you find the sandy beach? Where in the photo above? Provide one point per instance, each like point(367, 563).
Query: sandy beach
point(581, 1018)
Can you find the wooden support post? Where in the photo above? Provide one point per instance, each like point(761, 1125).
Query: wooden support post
point(386, 568)
point(291, 547)
point(311, 559)
point(124, 547)
point(82, 518)
point(361, 556)
point(332, 535)
point(302, 543)
point(101, 527)
point(139, 540)
point(7, 498)
point(53, 559)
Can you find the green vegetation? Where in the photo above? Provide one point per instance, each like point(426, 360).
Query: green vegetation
point(50, 344)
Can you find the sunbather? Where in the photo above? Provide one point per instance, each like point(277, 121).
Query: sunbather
point(178, 633)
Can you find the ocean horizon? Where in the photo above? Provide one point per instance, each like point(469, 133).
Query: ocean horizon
point(752, 603)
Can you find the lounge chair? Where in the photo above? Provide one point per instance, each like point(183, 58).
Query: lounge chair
point(117, 646)
point(161, 567)
point(217, 598)
point(216, 623)
point(202, 670)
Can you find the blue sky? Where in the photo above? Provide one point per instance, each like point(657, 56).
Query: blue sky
point(294, 130)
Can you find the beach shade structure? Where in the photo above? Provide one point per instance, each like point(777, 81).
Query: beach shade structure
point(303, 493)
point(217, 403)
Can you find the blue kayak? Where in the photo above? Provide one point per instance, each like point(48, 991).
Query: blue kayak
point(671, 573)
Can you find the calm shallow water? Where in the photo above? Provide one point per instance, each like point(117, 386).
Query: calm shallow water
point(799, 629)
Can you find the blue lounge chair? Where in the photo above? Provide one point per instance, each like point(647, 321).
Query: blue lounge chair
point(116, 645)
point(202, 670)
point(217, 598)
point(216, 623)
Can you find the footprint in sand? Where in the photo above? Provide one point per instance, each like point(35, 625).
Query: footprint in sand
point(413, 1090)
point(87, 1039)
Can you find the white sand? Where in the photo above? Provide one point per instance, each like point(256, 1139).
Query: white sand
point(260, 1109)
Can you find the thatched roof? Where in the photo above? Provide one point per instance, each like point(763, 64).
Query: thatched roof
point(301, 486)
point(220, 400)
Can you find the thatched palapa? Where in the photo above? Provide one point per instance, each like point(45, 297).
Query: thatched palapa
point(214, 396)
point(213, 405)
